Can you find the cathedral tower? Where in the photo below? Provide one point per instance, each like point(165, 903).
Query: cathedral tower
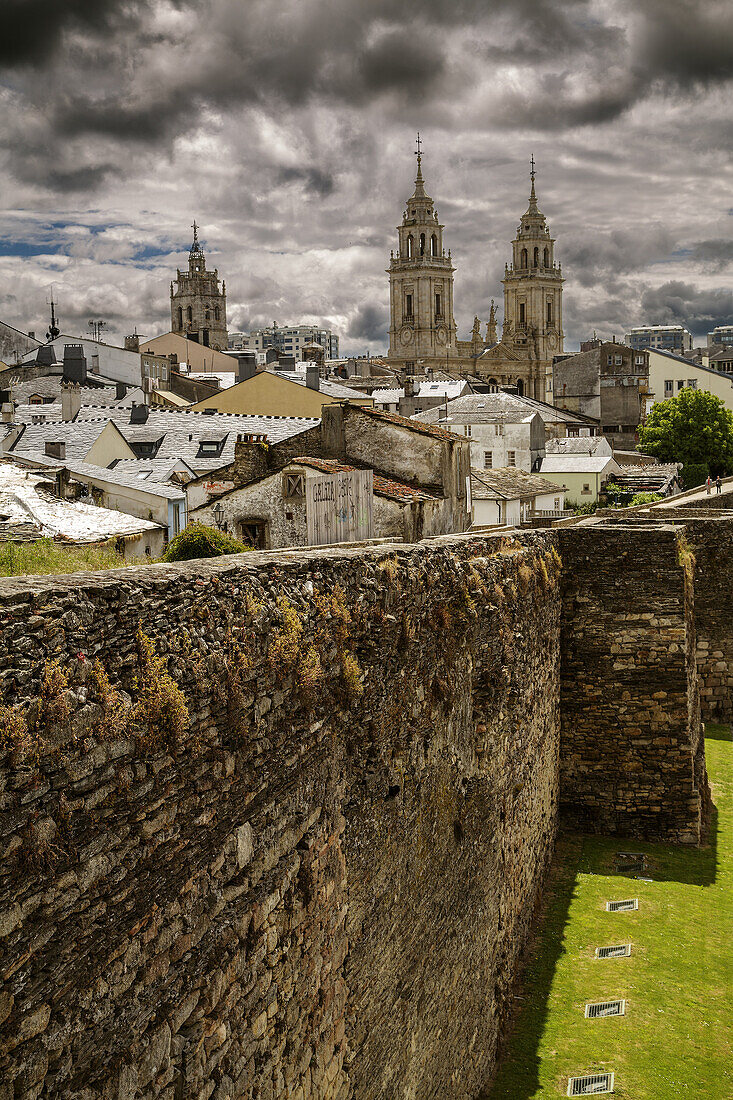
point(422, 331)
point(198, 306)
point(533, 288)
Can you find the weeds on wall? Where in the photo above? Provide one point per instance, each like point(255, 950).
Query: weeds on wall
point(159, 713)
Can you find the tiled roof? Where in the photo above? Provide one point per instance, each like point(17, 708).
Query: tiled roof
point(508, 483)
point(413, 423)
point(383, 486)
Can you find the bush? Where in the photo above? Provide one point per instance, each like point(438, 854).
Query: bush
point(644, 498)
point(200, 541)
point(587, 509)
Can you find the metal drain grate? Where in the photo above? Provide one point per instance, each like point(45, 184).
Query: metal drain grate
point(592, 1085)
point(622, 906)
point(605, 1008)
point(618, 951)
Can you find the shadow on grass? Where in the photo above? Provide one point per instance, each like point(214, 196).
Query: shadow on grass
point(517, 1077)
point(518, 1072)
point(715, 732)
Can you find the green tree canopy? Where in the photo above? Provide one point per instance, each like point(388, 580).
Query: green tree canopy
point(694, 428)
point(199, 541)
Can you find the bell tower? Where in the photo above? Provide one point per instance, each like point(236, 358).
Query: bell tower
point(533, 289)
point(198, 306)
point(422, 331)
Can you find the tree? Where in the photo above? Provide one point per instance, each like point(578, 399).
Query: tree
point(199, 541)
point(694, 428)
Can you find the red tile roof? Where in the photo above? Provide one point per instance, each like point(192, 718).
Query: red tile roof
point(383, 486)
point(414, 425)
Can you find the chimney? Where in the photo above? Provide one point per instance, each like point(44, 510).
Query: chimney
point(409, 387)
point(246, 365)
point(132, 343)
point(139, 414)
point(313, 376)
point(55, 449)
point(31, 334)
point(75, 363)
point(120, 390)
point(70, 400)
point(7, 412)
point(46, 355)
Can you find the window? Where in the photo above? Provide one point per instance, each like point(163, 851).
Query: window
point(488, 460)
point(294, 487)
point(410, 245)
point(467, 429)
point(536, 257)
point(692, 383)
point(680, 384)
point(500, 428)
point(523, 258)
point(180, 317)
point(668, 387)
point(522, 312)
point(549, 313)
point(438, 306)
point(557, 504)
point(422, 244)
point(408, 305)
point(210, 447)
point(216, 313)
point(189, 315)
point(511, 458)
point(95, 362)
point(547, 257)
point(640, 360)
point(586, 489)
point(254, 533)
point(433, 245)
point(207, 313)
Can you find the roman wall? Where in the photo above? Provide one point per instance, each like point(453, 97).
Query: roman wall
point(632, 744)
point(274, 825)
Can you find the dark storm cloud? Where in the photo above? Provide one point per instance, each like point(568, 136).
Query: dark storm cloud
point(31, 30)
point(601, 256)
point(686, 42)
point(314, 180)
point(717, 254)
point(684, 303)
point(370, 323)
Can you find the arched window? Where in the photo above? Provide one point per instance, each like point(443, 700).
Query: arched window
point(524, 257)
point(522, 313)
point(208, 314)
point(180, 317)
point(536, 257)
point(438, 306)
point(410, 244)
point(216, 313)
point(547, 257)
point(422, 244)
point(493, 385)
point(549, 313)
point(189, 314)
point(433, 245)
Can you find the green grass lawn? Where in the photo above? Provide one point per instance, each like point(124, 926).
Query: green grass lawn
point(49, 556)
point(676, 1039)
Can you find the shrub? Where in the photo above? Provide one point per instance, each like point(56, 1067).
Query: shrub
point(200, 541)
point(644, 498)
point(160, 709)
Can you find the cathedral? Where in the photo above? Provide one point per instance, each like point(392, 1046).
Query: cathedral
point(422, 332)
point(198, 306)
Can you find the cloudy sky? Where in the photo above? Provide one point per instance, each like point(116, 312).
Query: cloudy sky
point(286, 128)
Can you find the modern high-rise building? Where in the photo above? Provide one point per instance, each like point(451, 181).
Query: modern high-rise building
point(198, 306)
point(289, 339)
point(723, 334)
point(660, 337)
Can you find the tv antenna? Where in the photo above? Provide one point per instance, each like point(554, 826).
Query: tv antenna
point(95, 329)
point(53, 328)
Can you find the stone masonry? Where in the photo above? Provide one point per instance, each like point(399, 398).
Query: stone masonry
point(274, 825)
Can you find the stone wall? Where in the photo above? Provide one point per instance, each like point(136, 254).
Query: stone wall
point(318, 884)
point(632, 749)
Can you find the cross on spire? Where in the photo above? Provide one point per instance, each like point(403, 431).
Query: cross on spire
point(195, 245)
point(532, 196)
point(418, 153)
point(532, 172)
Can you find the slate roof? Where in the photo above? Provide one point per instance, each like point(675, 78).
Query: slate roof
point(580, 445)
point(384, 486)
point(326, 387)
point(50, 386)
point(124, 478)
point(576, 464)
point(387, 397)
point(181, 433)
point(25, 502)
point(509, 483)
point(488, 408)
point(160, 470)
point(77, 436)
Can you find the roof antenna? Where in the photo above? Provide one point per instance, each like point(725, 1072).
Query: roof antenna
point(53, 330)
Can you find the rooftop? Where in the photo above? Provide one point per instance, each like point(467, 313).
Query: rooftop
point(508, 483)
point(389, 487)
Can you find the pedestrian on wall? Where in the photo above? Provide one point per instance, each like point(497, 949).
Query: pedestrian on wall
point(717, 484)
point(708, 484)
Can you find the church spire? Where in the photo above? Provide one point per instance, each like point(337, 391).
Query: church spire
point(532, 196)
point(419, 192)
point(195, 247)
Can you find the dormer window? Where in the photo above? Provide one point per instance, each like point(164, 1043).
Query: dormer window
point(210, 448)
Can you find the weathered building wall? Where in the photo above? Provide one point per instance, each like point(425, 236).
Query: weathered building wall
point(320, 885)
point(632, 750)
